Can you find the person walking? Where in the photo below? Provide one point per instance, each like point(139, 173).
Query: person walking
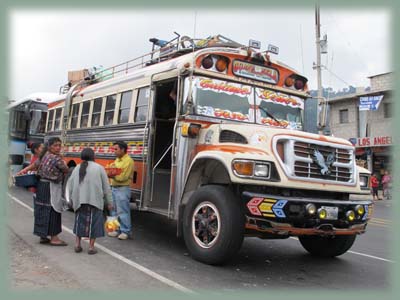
point(48, 204)
point(374, 182)
point(89, 191)
point(387, 185)
point(121, 191)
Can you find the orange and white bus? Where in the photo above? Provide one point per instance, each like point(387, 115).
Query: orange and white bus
point(229, 157)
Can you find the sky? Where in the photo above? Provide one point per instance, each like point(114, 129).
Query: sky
point(45, 44)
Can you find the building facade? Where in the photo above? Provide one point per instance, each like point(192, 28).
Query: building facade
point(366, 119)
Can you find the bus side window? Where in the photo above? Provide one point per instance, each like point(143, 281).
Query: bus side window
point(57, 121)
point(110, 108)
point(125, 106)
point(85, 114)
point(50, 122)
point(75, 113)
point(142, 104)
point(96, 112)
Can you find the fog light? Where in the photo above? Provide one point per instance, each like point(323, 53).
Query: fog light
point(322, 214)
point(350, 215)
point(311, 209)
point(360, 209)
point(261, 170)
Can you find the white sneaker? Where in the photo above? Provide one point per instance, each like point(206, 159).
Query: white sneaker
point(113, 234)
point(123, 236)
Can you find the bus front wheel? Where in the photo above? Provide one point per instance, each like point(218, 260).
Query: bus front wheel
point(213, 225)
point(330, 246)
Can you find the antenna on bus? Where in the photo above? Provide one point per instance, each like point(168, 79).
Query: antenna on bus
point(195, 24)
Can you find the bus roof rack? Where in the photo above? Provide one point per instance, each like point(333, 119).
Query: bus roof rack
point(161, 51)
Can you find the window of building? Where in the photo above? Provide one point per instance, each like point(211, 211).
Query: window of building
point(142, 104)
point(344, 116)
point(96, 111)
point(125, 107)
point(387, 110)
point(85, 114)
point(110, 108)
point(75, 114)
point(57, 121)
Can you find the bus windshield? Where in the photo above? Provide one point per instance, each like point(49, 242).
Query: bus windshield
point(221, 99)
point(38, 122)
point(244, 103)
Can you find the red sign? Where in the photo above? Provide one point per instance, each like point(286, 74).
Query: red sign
point(374, 141)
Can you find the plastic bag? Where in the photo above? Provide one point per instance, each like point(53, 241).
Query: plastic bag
point(111, 224)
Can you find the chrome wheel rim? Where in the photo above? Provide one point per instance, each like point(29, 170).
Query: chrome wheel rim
point(206, 224)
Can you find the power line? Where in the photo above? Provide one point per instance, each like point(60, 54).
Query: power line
point(337, 76)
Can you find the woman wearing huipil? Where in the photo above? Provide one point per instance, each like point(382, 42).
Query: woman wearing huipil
point(89, 190)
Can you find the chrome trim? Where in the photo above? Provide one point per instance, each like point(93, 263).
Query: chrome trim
point(290, 159)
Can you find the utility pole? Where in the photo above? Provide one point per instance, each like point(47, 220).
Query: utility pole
point(322, 105)
point(318, 44)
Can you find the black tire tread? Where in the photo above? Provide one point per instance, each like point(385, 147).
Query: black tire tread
point(327, 246)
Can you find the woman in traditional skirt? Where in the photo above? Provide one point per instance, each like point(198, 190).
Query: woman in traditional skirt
point(47, 202)
point(89, 190)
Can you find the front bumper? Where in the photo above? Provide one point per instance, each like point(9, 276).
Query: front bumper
point(287, 216)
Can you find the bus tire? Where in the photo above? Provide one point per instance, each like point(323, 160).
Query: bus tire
point(330, 246)
point(213, 225)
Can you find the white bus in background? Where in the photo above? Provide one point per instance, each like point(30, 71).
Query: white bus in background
point(27, 122)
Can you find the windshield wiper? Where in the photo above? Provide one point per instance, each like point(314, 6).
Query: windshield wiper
point(269, 114)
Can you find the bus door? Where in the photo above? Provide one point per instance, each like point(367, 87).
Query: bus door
point(161, 145)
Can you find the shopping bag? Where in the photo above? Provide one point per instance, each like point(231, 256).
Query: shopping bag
point(111, 224)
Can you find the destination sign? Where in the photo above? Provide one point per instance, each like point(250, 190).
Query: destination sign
point(256, 72)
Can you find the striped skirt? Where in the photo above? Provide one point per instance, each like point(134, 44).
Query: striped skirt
point(89, 222)
point(47, 222)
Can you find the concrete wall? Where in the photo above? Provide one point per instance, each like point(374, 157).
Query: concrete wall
point(381, 82)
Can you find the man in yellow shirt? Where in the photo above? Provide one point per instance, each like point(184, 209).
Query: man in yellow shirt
point(121, 191)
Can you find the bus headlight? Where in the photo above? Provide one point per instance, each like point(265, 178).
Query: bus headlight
point(262, 170)
point(251, 169)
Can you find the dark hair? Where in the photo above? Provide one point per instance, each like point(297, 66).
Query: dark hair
point(122, 145)
point(35, 146)
point(50, 142)
point(87, 155)
point(71, 164)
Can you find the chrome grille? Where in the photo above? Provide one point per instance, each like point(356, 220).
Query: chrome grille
point(341, 169)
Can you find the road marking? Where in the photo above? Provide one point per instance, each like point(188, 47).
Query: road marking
point(358, 253)
point(122, 258)
point(371, 256)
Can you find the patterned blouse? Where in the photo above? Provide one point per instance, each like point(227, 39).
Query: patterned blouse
point(51, 167)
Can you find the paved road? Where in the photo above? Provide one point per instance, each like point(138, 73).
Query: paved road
point(155, 259)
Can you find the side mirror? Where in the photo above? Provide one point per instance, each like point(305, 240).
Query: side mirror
point(311, 115)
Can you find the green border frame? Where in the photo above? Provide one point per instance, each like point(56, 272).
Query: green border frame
point(8, 5)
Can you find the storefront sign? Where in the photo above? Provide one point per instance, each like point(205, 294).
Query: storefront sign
point(370, 102)
point(374, 141)
point(252, 71)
